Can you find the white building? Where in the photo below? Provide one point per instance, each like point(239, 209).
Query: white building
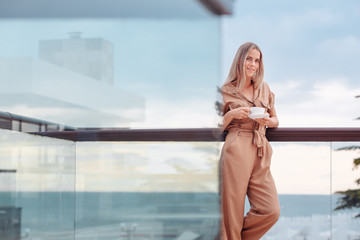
point(71, 83)
point(92, 57)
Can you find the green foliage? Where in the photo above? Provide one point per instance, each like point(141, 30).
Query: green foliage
point(356, 162)
point(348, 148)
point(218, 108)
point(357, 181)
point(351, 197)
point(219, 105)
point(349, 200)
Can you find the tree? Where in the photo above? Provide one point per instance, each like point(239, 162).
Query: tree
point(351, 197)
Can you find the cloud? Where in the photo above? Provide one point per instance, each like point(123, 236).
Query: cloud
point(189, 113)
point(324, 103)
point(327, 103)
point(286, 89)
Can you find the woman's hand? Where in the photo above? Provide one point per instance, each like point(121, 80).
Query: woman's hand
point(236, 113)
point(268, 121)
point(241, 112)
point(263, 121)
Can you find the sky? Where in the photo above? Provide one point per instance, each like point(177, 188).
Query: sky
point(311, 51)
point(311, 56)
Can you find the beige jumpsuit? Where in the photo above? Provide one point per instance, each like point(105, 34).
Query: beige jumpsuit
point(245, 170)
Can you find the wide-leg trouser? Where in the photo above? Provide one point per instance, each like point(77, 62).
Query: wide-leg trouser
point(243, 173)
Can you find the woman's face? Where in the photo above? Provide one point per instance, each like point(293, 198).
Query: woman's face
point(252, 63)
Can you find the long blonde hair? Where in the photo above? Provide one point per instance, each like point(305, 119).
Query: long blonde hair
point(237, 70)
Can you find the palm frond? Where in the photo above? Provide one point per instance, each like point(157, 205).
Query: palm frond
point(350, 199)
point(356, 163)
point(348, 148)
point(357, 181)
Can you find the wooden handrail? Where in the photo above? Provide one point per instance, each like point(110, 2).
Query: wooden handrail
point(203, 135)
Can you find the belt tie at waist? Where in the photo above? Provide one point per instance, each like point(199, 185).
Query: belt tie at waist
point(258, 140)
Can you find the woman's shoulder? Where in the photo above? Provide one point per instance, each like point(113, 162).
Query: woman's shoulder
point(228, 87)
point(265, 91)
point(264, 86)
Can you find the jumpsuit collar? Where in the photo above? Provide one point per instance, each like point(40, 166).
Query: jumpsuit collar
point(232, 90)
point(258, 134)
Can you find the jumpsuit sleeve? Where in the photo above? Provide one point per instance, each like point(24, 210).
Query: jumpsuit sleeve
point(272, 100)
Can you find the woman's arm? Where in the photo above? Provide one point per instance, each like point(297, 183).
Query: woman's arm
point(237, 113)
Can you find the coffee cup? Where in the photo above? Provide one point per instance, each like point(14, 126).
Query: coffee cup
point(257, 110)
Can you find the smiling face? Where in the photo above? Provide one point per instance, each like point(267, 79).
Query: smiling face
point(247, 66)
point(252, 63)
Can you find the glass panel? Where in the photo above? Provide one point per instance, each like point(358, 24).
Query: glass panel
point(163, 190)
point(37, 183)
point(5, 124)
point(15, 125)
point(30, 127)
point(302, 176)
point(344, 175)
point(139, 73)
point(147, 190)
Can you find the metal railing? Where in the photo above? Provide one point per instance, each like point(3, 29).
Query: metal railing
point(21, 123)
point(50, 129)
point(204, 135)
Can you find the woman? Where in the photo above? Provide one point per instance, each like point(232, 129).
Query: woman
point(246, 154)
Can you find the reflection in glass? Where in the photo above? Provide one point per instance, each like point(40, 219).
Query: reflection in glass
point(139, 73)
point(147, 190)
point(36, 187)
point(166, 190)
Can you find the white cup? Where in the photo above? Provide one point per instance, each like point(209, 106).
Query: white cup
point(257, 110)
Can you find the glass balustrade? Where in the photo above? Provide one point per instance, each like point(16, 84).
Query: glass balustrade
point(343, 178)
point(37, 187)
point(139, 190)
point(57, 189)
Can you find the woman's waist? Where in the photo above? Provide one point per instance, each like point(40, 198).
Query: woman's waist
point(246, 127)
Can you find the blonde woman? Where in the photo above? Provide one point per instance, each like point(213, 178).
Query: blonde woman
point(246, 154)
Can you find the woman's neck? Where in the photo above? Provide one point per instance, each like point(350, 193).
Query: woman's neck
point(248, 83)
